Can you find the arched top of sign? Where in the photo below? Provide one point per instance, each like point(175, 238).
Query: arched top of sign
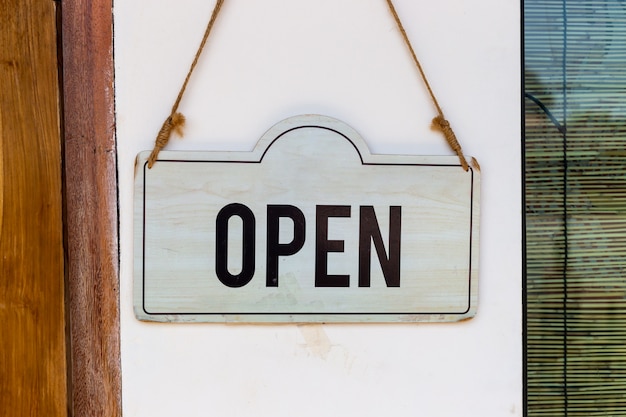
point(312, 121)
point(309, 226)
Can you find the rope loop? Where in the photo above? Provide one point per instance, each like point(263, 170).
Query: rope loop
point(175, 120)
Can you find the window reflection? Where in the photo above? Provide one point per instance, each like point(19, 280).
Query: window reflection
point(575, 152)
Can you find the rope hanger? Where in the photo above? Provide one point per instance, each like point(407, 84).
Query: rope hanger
point(175, 121)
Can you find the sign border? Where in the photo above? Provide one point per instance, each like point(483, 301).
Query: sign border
point(260, 150)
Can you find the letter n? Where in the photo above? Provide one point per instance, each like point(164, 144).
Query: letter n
point(369, 232)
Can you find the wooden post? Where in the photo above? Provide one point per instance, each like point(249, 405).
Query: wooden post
point(91, 220)
point(33, 373)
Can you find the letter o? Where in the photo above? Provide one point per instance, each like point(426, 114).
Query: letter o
point(248, 245)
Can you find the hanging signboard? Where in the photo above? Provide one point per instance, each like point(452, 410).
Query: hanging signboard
point(308, 227)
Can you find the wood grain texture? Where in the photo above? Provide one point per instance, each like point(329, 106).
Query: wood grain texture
point(33, 378)
point(91, 207)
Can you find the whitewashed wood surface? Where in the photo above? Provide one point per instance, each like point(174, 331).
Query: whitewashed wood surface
point(305, 161)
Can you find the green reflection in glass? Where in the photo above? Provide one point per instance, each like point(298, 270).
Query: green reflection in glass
point(575, 172)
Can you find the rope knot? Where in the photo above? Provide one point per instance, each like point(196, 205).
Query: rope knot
point(440, 123)
point(174, 123)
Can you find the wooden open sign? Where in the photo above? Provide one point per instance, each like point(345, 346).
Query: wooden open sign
point(308, 227)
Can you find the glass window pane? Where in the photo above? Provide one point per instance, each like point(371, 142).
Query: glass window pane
point(575, 153)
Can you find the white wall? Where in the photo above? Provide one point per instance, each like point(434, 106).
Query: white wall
point(271, 59)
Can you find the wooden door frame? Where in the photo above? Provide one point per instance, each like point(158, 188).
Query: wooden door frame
point(90, 207)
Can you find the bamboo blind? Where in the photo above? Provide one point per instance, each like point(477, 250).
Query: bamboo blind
point(575, 170)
